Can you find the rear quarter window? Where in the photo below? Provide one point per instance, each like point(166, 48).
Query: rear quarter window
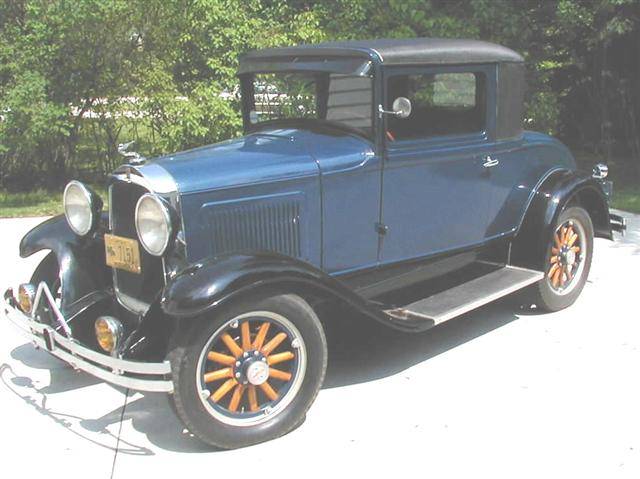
point(442, 104)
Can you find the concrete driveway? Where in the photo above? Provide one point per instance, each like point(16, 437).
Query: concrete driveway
point(495, 393)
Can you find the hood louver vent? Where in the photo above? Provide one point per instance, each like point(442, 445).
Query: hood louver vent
point(256, 225)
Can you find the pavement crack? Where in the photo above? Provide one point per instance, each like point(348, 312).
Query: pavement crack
point(115, 455)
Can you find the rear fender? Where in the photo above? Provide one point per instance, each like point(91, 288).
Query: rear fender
point(80, 259)
point(551, 198)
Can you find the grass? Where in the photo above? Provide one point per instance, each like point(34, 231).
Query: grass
point(35, 203)
point(626, 198)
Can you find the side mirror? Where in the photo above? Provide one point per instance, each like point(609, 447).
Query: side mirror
point(401, 108)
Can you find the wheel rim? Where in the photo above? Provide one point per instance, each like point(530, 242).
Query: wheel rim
point(251, 368)
point(566, 259)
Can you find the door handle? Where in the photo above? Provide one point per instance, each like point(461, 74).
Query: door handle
point(490, 162)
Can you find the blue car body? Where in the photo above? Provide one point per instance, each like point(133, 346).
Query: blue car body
point(335, 186)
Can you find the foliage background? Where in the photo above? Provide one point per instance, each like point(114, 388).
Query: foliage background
point(78, 77)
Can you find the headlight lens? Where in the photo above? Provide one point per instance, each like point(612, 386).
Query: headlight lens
point(108, 333)
point(153, 224)
point(78, 207)
point(26, 296)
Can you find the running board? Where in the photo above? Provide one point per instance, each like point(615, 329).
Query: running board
point(460, 299)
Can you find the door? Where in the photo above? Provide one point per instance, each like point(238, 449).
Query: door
point(435, 189)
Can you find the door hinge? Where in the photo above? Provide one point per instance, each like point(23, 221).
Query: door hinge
point(381, 228)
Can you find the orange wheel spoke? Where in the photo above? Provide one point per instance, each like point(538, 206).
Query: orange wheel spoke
point(221, 358)
point(236, 398)
point(223, 390)
point(232, 345)
point(562, 278)
point(553, 270)
point(556, 277)
point(568, 234)
point(262, 334)
point(280, 357)
point(277, 374)
point(269, 391)
point(253, 398)
point(554, 259)
point(575, 249)
point(274, 343)
point(555, 251)
point(245, 334)
point(218, 374)
point(572, 240)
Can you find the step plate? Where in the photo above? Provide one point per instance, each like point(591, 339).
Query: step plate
point(471, 295)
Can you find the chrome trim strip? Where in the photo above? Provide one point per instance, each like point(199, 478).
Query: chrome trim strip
point(108, 368)
point(129, 302)
point(150, 176)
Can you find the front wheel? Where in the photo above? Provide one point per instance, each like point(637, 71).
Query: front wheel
point(568, 261)
point(251, 373)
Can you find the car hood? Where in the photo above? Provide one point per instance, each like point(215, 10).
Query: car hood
point(256, 158)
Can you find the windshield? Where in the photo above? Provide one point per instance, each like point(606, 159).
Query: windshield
point(330, 98)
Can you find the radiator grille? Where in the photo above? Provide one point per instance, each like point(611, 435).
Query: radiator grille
point(143, 287)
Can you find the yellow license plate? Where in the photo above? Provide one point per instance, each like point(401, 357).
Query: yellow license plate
point(122, 253)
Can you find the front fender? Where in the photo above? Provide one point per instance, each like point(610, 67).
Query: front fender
point(80, 259)
point(560, 189)
point(207, 285)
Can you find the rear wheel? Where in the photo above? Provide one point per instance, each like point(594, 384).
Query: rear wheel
point(251, 373)
point(567, 262)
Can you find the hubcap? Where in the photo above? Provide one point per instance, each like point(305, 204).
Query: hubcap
point(257, 373)
point(565, 259)
point(251, 368)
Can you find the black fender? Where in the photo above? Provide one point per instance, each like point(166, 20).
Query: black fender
point(554, 194)
point(80, 259)
point(202, 287)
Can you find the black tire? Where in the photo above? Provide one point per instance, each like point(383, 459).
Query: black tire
point(191, 350)
point(549, 298)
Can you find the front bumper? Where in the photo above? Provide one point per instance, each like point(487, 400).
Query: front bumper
point(138, 375)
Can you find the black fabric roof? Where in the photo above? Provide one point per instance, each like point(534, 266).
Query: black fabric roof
point(397, 52)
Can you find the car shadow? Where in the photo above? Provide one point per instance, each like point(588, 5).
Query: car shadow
point(91, 431)
point(360, 350)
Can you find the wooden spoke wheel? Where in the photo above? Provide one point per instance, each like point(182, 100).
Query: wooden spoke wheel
point(251, 368)
point(566, 265)
point(248, 371)
point(567, 261)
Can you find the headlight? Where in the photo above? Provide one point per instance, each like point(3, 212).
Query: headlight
point(81, 207)
point(153, 224)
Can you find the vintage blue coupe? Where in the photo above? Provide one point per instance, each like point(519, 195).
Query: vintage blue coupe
point(391, 177)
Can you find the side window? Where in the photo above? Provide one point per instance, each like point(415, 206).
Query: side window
point(349, 100)
point(442, 104)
